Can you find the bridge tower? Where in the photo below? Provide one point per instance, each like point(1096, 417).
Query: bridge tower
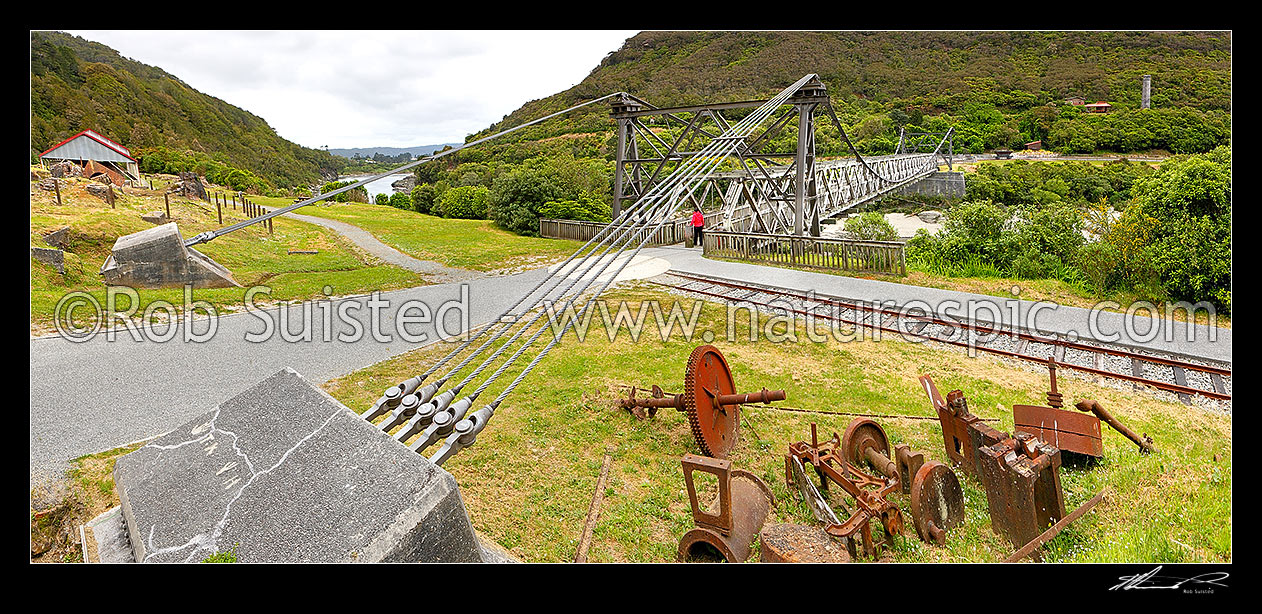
point(805, 101)
point(620, 107)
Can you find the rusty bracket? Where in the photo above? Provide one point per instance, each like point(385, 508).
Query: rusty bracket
point(744, 501)
point(1093, 406)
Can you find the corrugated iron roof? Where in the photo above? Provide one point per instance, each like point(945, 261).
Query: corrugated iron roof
point(115, 147)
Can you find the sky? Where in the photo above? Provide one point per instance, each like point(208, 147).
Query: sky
point(374, 88)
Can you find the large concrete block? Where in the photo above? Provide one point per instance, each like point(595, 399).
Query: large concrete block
point(157, 258)
point(285, 473)
point(940, 183)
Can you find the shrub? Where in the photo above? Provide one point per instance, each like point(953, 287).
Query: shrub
point(382, 199)
point(517, 198)
point(465, 202)
point(423, 198)
point(586, 208)
point(401, 200)
point(871, 226)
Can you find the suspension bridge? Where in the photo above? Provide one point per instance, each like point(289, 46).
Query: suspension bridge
point(724, 166)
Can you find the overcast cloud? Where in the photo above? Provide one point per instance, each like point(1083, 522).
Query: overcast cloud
point(371, 88)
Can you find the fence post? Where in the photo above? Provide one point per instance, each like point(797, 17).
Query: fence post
point(219, 210)
point(57, 187)
point(166, 198)
point(110, 187)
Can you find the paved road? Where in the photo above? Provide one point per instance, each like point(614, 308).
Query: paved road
point(91, 396)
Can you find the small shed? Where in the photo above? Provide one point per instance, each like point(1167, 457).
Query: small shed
point(1076, 101)
point(97, 155)
point(1034, 145)
point(1098, 107)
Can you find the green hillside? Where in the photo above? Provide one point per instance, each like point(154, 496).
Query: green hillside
point(77, 84)
point(1000, 89)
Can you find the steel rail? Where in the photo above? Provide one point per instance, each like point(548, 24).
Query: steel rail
point(933, 319)
point(859, 323)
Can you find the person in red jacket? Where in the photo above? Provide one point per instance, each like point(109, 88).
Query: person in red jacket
point(698, 221)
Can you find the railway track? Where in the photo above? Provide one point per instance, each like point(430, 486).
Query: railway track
point(1187, 378)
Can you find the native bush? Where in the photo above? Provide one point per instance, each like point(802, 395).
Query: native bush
point(587, 208)
point(401, 200)
point(465, 202)
point(382, 199)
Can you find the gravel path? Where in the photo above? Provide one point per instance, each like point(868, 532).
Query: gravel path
point(432, 270)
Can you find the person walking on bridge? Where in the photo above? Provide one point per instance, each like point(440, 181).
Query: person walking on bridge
point(698, 221)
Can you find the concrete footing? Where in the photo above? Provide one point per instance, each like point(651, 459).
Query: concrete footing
point(285, 473)
point(940, 183)
point(157, 258)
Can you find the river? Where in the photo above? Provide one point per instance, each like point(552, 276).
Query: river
point(380, 186)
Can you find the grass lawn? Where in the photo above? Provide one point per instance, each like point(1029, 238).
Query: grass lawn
point(253, 256)
point(464, 244)
point(529, 479)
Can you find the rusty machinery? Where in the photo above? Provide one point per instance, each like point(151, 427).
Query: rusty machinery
point(937, 501)
point(870, 494)
point(743, 504)
point(709, 399)
point(1071, 431)
point(1020, 472)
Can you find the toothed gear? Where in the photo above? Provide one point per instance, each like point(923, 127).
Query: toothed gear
point(714, 428)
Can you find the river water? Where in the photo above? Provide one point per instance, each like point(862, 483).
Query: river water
point(380, 186)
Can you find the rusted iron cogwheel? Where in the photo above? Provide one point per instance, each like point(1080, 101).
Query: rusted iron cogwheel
point(714, 427)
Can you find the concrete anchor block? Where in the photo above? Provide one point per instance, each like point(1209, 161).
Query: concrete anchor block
point(285, 473)
point(52, 257)
point(157, 258)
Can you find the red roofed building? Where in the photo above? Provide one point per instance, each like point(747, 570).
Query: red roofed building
point(97, 155)
point(1098, 107)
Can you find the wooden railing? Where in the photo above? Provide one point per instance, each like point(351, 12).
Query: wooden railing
point(808, 252)
point(670, 233)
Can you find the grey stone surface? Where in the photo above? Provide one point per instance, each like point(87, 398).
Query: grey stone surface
point(105, 539)
point(155, 217)
point(284, 473)
point(157, 258)
point(98, 190)
point(59, 238)
point(52, 257)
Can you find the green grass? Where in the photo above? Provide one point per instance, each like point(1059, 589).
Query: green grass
point(465, 244)
point(253, 256)
point(529, 479)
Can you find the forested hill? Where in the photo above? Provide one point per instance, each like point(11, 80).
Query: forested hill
point(998, 88)
point(78, 84)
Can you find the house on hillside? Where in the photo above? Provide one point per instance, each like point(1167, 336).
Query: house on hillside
point(1076, 101)
point(96, 155)
point(1097, 107)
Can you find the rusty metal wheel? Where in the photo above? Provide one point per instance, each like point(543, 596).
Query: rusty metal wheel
point(714, 426)
point(861, 434)
point(937, 502)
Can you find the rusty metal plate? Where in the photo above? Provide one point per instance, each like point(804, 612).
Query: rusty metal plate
point(706, 377)
point(1070, 431)
point(937, 502)
point(744, 502)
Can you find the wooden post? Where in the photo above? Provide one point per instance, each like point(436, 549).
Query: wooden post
point(110, 187)
point(167, 198)
point(57, 187)
point(234, 200)
point(219, 210)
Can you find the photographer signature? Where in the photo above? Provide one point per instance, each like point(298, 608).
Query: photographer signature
point(1150, 579)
